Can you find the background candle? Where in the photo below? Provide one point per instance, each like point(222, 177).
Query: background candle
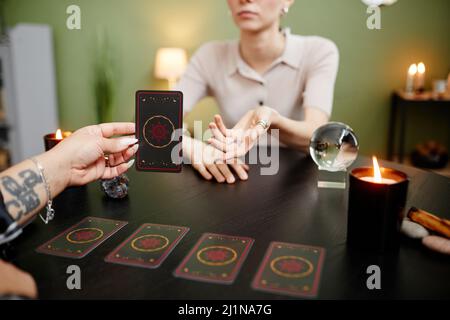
point(420, 77)
point(410, 78)
point(376, 209)
point(52, 139)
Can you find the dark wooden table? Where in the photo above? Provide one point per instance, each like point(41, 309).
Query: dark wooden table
point(284, 207)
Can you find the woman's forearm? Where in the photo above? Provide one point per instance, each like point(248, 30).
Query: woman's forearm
point(192, 148)
point(297, 134)
point(23, 190)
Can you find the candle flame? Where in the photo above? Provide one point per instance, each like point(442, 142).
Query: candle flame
point(412, 69)
point(58, 134)
point(421, 67)
point(376, 170)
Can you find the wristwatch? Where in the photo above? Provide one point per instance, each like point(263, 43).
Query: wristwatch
point(9, 228)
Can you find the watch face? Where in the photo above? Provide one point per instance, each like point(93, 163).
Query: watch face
point(158, 129)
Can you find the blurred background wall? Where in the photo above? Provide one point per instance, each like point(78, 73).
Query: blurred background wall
point(373, 63)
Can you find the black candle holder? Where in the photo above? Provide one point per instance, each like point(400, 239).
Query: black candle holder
point(50, 139)
point(376, 210)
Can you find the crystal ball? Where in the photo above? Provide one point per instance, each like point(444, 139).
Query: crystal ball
point(334, 146)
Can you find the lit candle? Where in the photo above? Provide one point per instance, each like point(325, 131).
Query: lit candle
point(410, 78)
point(377, 178)
point(376, 202)
point(52, 139)
point(420, 77)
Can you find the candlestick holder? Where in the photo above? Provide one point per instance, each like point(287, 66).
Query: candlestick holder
point(333, 147)
point(376, 210)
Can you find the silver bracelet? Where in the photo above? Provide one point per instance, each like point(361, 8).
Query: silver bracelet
point(50, 211)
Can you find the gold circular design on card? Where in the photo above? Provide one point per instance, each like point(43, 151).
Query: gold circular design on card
point(145, 125)
point(220, 263)
point(292, 275)
point(133, 243)
point(84, 241)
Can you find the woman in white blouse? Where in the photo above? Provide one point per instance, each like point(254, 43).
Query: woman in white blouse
point(269, 79)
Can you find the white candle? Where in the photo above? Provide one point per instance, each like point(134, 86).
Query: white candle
point(420, 77)
point(410, 78)
point(382, 181)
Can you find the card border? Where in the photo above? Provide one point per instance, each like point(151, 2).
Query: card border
point(42, 248)
point(233, 275)
point(111, 259)
point(180, 125)
point(313, 293)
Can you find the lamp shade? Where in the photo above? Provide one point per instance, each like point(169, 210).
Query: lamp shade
point(170, 63)
point(379, 2)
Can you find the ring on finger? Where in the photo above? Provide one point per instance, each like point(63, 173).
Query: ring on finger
point(263, 123)
point(106, 156)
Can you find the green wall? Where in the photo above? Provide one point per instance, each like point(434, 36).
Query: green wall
point(373, 62)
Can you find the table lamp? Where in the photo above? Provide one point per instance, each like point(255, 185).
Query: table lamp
point(170, 64)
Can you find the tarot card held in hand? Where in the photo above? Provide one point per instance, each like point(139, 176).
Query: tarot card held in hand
point(80, 239)
point(159, 121)
point(215, 258)
point(291, 269)
point(149, 246)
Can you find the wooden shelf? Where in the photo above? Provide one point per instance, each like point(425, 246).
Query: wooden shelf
point(424, 96)
point(444, 171)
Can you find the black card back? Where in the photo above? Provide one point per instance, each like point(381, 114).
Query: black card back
point(159, 121)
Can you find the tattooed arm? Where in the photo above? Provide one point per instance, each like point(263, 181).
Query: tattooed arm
point(23, 189)
point(77, 160)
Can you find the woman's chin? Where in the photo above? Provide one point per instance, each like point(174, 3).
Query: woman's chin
point(249, 25)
